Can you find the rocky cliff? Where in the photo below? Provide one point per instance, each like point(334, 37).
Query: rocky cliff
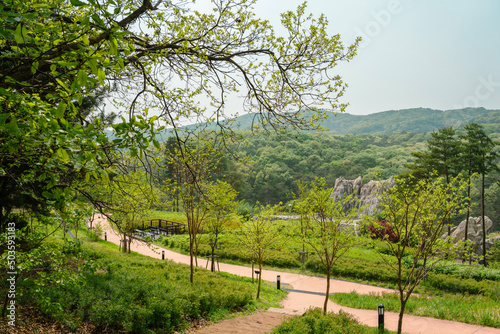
point(363, 196)
point(474, 233)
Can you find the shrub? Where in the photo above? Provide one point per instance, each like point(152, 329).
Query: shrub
point(382, 230)
point(138, 294)
point(314, 322)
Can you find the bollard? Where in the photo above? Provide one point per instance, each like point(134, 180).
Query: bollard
point(105, 236)
point(381, 318)
point(163, 255)
point(278, 282)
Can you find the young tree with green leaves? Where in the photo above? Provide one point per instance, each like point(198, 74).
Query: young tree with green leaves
point(417, 212)
point(220, 201)
point(130, 198)
point(481, 158)
point(193, 166)
point(261, 237)
point(327, 227)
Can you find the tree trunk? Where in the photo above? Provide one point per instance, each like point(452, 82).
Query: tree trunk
point(325, 305)
point(260, 275)
point(212, 267)
point(467, 218)
point(484, 224)
point(401, 314)
point(191, 263)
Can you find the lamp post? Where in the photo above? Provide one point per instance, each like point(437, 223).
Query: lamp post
point(381, 318)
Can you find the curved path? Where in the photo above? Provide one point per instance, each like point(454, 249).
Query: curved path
point(298, 302)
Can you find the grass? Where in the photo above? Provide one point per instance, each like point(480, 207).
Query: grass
point(132, 292)
point(314, 322)
point(475, 310)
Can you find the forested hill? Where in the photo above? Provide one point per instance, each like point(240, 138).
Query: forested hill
point(408, 120)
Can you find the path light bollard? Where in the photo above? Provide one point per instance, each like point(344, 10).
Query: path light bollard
point(381, 318)
point(105, 236)
point(278, 282)
point(163, 255)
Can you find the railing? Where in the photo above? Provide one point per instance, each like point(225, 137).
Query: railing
point(153, 228)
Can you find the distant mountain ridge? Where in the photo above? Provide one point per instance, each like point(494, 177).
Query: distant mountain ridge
point(416, 120)
point(407, 120)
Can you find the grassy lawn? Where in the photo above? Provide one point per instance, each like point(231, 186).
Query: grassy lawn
point(475, 310)
point(132, 292)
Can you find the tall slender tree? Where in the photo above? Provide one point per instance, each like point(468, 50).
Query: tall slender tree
point(442, 158)
point(480, 158)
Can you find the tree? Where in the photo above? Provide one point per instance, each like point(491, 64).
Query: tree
point(129, 199)
point(442, 156)
point(193, 166)
point(327, 227)
point(221, 206)
point(418, 211)
point(261, 237)
point(54, 53)
point(441, 159)
point(480, 157)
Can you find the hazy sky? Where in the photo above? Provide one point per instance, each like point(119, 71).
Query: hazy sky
point(441, 54)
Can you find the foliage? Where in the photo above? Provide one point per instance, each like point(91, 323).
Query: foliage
point(418, 211)
point(479, 154)
point(326, 225)
point(381, 230)
point(152, 296)
point(221, 206)
point(261, 237)
point(480, 310)
point(315, 322)
point(56, 54)
point(130, 198)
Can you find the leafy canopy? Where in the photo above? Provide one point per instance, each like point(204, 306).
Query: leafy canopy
point(160, 56)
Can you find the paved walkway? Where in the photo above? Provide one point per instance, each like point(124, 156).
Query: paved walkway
point(299, 302)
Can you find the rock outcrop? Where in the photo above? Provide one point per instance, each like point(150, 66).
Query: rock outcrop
point(474, 233)
point(365, 196)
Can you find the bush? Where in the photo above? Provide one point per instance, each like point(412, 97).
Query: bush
point(138, 294)
point(382, 230)
point(314, 322)
point(245, 210)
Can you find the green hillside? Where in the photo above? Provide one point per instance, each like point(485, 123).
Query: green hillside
point(415, 120)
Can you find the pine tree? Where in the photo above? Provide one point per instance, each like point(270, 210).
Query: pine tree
point(441, 159)
point(480, 158)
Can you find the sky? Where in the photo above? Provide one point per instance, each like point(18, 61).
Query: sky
point(440, 54)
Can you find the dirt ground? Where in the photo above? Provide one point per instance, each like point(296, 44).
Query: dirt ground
point(258, 323)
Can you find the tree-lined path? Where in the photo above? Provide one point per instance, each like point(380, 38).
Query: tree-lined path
point(310, 293)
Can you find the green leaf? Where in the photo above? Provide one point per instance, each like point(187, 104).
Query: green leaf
point(34, 67)
point(93, 65)
point(98, 20)
point(85, 40)
point(101, 76)
point(77, 3)
point(63, 154)
point(82, 78)
point(18, 35)
point(113, 46)
point(61, 109)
